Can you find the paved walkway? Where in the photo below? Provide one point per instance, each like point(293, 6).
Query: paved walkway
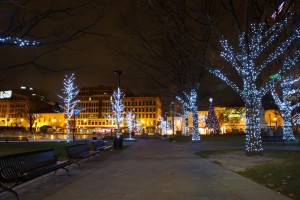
point(150, 169)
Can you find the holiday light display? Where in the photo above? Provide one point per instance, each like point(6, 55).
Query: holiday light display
point(164, 125)
point(129, 119)
point(117, 108)
point(212, 122)
point(185, 109)
point(296, 118)
point(247, 63)
point(17, 41)
point(191, 106)
point(194, 107)
point(286, 104)
point(137, 126)
point(70, 92)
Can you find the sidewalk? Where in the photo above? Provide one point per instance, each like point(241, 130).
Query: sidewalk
point(150, 169)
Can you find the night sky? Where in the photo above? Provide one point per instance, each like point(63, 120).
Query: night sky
point(96, 58)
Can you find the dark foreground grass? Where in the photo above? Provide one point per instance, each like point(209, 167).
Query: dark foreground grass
point(224, 140)
point(283, 177)
point(59, 147)
point(18, 147)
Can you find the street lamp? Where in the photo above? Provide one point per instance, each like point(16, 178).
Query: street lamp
point(119, 73)
point(172, 104)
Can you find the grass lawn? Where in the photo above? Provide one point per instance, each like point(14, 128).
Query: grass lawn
point(283, 177)
point(18, 147)
point(217, 140)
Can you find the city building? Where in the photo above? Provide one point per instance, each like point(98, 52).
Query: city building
point(96, 112)
point(231, 120)
point(19, 108)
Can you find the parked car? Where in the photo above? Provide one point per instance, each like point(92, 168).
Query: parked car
point(46, 129)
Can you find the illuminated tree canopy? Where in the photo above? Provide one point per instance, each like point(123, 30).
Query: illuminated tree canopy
point(286, 103)
point(248, 64)
point(69, 97)
point(117, 108)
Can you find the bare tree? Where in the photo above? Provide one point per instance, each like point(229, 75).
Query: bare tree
point(53, 24)
point(172, 43)
point(254, 53)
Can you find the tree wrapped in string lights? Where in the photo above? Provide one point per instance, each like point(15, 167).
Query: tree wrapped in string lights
point(69, 97)
point(212, 122)
point(191, 105)
point(248, 63)
point(185, 109)
point(286, 103)
point(117, 108)
point(296, 118)
point(164, 125)
point(129, 119)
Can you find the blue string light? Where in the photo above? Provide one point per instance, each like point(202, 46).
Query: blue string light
point(18, 41)
point(117, 108)
point(286, 104)
point(246, 62)
point(70, 92)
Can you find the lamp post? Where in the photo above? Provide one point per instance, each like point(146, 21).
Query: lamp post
point(172, 106)
point(118, 142)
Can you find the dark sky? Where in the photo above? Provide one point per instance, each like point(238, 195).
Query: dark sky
point(97, 59)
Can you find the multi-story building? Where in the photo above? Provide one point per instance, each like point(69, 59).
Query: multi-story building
point(147, 111)
point(96, 112)
point(20, 108)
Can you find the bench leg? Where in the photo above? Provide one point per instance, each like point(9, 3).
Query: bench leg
point(76, 164)
point(67, 170)
point(10, 190)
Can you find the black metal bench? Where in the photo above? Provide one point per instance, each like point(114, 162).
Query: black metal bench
point(18, 168)
point(77, 152)
point(100, 145)
point(267, 138)
point(16, 139)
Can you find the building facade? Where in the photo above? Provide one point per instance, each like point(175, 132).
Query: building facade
point(96, 112)
point(19, 109)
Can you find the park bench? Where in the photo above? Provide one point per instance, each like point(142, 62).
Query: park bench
point(77, 152)
point(14, 139)
point(99, 145)
point(18, 168)
point(267, 138)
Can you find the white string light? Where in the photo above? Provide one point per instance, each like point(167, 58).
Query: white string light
point(117, 108)
point(129, 119)
point(70, 92)
point(286, 105)
point(246, 62)
point(18, 41)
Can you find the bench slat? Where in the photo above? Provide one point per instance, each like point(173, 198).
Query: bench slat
point(77, 152)
point(21, 167)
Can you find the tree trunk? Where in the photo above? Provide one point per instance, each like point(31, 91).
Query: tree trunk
point(287, 127)
point(68, 130)
point(30, 124)
point(253, 137)
point(195, 136)
point(186, 122)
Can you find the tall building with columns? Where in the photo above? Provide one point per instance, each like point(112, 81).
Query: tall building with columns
point(96, 112)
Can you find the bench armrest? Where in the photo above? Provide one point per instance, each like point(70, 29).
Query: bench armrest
point(9, 174)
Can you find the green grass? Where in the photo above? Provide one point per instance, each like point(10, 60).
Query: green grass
point(217, 140)
point(283, 177)
point(18, 147)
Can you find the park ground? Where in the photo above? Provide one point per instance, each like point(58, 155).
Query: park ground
point(278, 168)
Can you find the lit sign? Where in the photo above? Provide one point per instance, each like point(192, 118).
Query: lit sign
point(5, 94)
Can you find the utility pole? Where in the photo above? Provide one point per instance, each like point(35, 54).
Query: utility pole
point(172, 104)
